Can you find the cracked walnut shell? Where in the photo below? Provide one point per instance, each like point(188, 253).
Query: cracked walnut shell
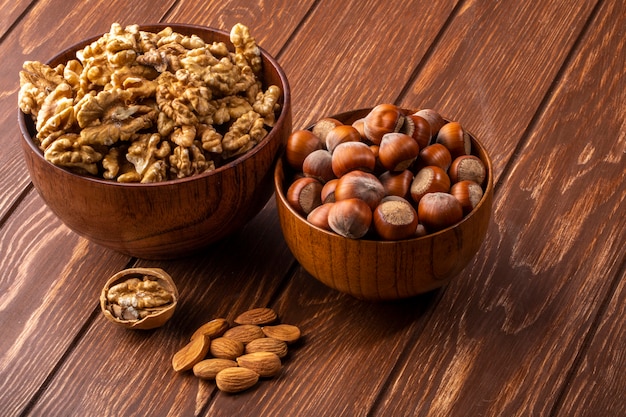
point(139, 298)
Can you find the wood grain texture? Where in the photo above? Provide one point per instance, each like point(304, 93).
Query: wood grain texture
point(11, 11)
point(598, 386)
point(533, 326)
point(44, 266)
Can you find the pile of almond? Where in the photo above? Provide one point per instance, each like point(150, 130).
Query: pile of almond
point(237, 356)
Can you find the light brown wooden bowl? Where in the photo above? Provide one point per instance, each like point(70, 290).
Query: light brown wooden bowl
point(173, 218)
point(384, 270)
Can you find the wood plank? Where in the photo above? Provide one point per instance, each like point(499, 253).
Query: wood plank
point(598, 386)
point(547, 266)
point(50, 284)
point(494, 65)
point(11, 11)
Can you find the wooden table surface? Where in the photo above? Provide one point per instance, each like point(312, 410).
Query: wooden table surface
point(534, 326)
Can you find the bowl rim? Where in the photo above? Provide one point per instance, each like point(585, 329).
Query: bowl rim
point(24, 121)
point(279, 178)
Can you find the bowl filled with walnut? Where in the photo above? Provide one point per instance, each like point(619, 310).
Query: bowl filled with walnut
point(384, 203)
point(155, 141)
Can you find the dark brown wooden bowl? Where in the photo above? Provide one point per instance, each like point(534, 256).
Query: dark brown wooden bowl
point(384, 270)
point(172, 218)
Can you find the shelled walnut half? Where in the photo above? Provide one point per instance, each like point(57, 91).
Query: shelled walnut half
point(139, 298)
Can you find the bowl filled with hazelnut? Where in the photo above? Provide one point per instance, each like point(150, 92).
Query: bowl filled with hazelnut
point(155, 140)
point(384, 203)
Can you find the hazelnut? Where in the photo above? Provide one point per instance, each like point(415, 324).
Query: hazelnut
point(397, 151)
point(452, 136)
point(299, 145)
point(433, 118)
point(468, 193)
point(351, 156)
point(418, 128)
point(384, 118)
point(429, 179)
point(323, 126)
point(436, 211)
point(397, 183)
point(359, 125)
point(341, 134)
point(304, 194)
point(437, 155)
point(361, 185)
point(350, 218)
point(318, 165)
point(328, 191)
point(468, 167)
point(395, 219)
point(319, 216)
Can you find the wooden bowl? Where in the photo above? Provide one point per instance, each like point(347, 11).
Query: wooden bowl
point(384, 270)
point(172, 218)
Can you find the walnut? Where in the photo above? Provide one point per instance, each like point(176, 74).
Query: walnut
point(244, 133)
point(156, 172)
point(246, 50)
point(146, 150)
point(187, 161)
point(230, 108)
point(139, 298)
point(218, 49)
point(210, 138)
point(111, 164)
point(267, 104)
point(105, 118)
point(129, 176)
point(182, 97)
point(67, 152)
point(71, 74)
point(136, 106)
point(37, 80)
point(57, 112)
point(184, 136)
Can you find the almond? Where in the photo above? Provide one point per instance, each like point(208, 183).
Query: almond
point(226, 348)
point(208, 368)
point(258, 316)
point(192, 353)
point(266, 364)
point(244, 333)
point(285, 332)
point(214, 329)
point(236, 379)
point(268, 344)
